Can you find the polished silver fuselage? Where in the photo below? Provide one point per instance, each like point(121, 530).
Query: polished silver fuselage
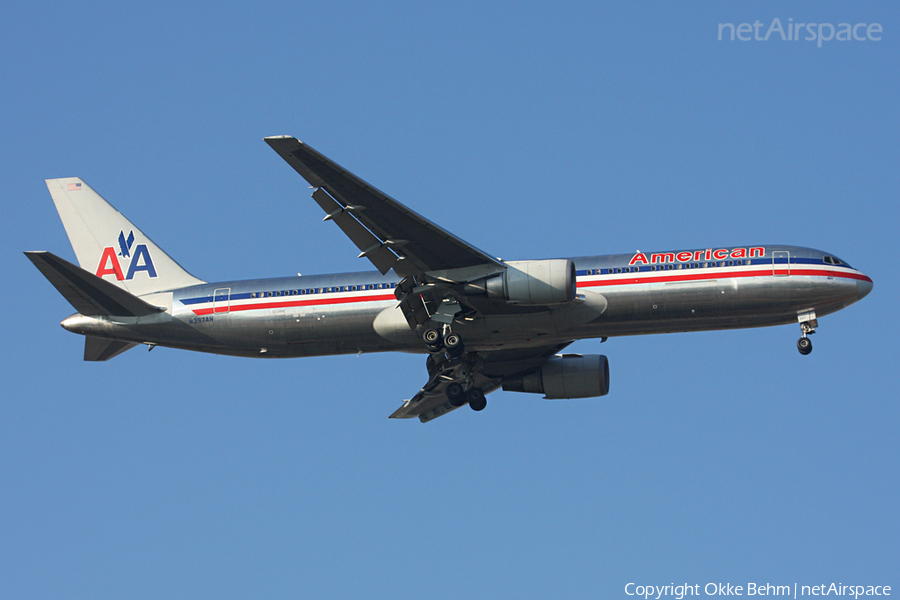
point(618, 295)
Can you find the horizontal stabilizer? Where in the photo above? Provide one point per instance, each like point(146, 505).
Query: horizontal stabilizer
point(86, 292)
point(98, 349)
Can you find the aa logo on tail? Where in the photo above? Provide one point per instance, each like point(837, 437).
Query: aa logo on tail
point(140, 259)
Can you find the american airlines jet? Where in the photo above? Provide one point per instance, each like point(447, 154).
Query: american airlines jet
point(482, 322)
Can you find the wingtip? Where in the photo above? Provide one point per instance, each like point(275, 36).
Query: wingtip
point(275, 138)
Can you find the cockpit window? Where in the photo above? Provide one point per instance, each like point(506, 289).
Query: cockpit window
point(834, 260)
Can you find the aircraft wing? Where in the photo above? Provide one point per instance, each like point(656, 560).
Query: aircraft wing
point(484, 370)
point(386, 232)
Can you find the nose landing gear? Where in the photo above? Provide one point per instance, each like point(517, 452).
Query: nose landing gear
point(808, 324)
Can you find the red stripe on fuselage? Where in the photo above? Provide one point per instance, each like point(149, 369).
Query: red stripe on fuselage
point(694, 276)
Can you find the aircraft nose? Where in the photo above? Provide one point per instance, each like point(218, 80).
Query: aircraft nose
point(863, 287)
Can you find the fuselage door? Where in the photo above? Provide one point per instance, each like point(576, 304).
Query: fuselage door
point(221, 300)
point(781, 263)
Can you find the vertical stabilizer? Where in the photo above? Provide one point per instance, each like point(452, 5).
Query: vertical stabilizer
point(110, 246)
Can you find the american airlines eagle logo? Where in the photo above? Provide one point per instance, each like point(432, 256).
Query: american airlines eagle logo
point(125, 245)
point(138, 259)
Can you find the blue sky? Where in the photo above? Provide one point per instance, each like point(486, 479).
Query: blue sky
point(533, 131)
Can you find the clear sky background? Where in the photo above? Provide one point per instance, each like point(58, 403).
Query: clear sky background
point(533, 131)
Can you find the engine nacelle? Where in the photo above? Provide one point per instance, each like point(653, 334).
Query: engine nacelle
point(534, 282)
point(565, 377)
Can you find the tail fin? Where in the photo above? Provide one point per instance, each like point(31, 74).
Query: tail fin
point(110, 246)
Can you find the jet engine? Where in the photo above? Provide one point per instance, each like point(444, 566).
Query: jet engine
point(534, 282)
point(564, 377)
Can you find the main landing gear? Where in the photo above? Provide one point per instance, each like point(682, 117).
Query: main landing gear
point(446, 342)
point(808, 324)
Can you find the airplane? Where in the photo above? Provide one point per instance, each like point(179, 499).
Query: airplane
point(482, 322)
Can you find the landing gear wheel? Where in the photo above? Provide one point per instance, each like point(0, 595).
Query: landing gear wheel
point(453, 344)
point(456, 394)
point(433, 341)
point(804, 345)
point(476, 399)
